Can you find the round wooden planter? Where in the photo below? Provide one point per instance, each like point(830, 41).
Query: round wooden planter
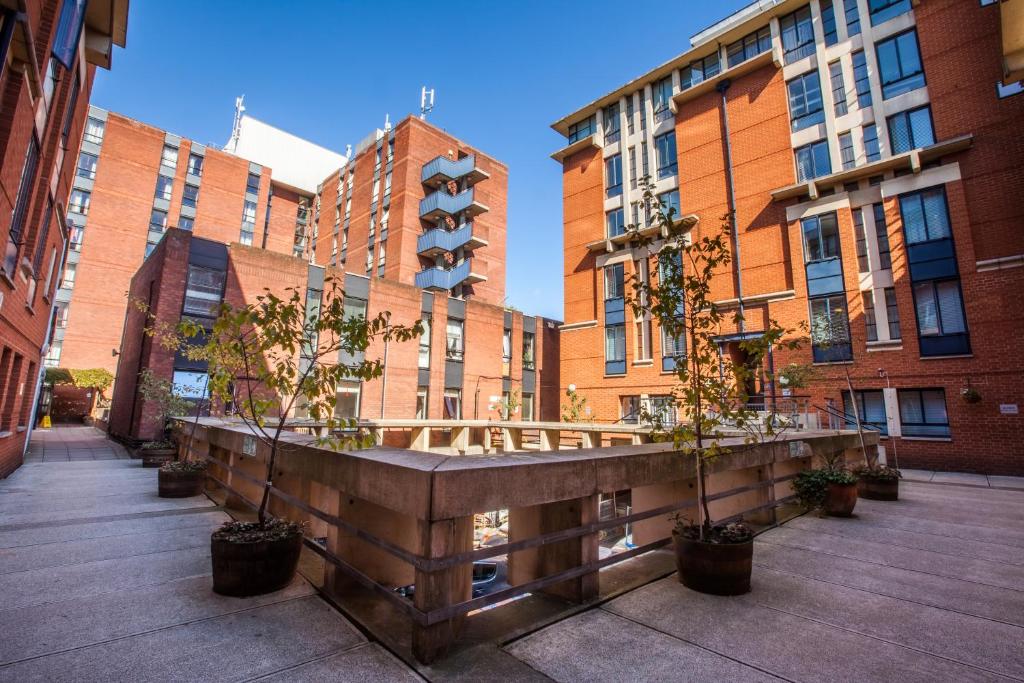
point(714, 568)
point(879, 489)
point(180, 484)
point(244, 569)
point(841, 499)
point(157, 457)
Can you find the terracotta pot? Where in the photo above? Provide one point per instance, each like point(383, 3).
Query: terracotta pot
point(841, 499)
point(714, 568)
point(157, 457)
point(879, 489)
point(244, 569)
point(180, 484)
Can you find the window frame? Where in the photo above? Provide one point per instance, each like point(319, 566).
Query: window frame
point(662, 148)
point(908, 429)
point(907, 82)
point(801, 24)
point(905, 117)
point(805, 110)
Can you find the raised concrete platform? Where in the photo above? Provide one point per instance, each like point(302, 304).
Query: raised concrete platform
point(929, 588)
point(101, 580)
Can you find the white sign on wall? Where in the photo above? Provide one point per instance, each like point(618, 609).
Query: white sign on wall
point(1008, 408)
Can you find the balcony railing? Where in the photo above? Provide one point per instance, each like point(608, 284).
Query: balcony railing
point(441, 278)
point(442, 169)
point(438, 240)
point(439, 203)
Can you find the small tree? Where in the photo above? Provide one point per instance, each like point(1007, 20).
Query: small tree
point(576, 409)
point(711, 388)
point(96, 379)
point(510, 404)
point(271, 356)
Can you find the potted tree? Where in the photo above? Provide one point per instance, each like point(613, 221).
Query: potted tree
point(711, 557)
point(878, 482)
point(266, 360)
point(831, 489)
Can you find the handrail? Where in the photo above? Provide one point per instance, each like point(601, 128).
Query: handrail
point(847, 417)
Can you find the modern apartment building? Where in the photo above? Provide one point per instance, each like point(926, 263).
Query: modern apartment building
point(49, 52)
point(417, 206)
point(869, 152)
point(472, 358)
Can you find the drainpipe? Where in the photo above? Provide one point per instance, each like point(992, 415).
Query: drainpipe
point(723, 87)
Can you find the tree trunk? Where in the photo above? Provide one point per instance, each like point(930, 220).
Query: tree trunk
point(856, 416)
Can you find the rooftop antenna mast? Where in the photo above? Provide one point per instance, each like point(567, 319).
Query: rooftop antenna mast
point(236, 125)
point(387, 122)
point(426, 102)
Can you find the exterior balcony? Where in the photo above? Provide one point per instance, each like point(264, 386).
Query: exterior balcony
point(446, 279)
point(438, 240)
point(439, 171)
point(440, 203)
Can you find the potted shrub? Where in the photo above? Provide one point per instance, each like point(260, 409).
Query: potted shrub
point(181, 479)
point(878, 482)
point(271, 360)
point(712, 557)
point(830, 489)
point(157, 453)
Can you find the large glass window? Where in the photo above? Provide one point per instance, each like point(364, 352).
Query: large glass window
point(87, 165)
point(94, 130)
point(805, 103)
point(189, 385)
point(164, 187)
point(852, 17)
point(835, 74)
point(252, 184)
point(670, 203)
point(925, 216)
point(911, 129)
point(423, 360)
point(169, 156)
point(529, 359)
point(347, 400)
point(830, 329)
point(668, 162)
point(884, 10)
point(821, 237)
point(452, 404)
point(797, 35)
point(613, 176)
point(506, 353)
point(615, 349)
point(870, 409)
point(940, 308)
point(190, 196)
point(581, 129)
point(899, 64)
point(923, 413)
point(610, 118)
point(616, 222)
point(860, 235)
point(812, 161)
point(454, 340)
point(846, 153)
point(662, 94)
point(699, 71)
point(860, 79)
point(749, 46)
point(203, 291)
point(872, 152)
point(79, 202)
point(828, 22)
point(195, 164)
point(614, 281)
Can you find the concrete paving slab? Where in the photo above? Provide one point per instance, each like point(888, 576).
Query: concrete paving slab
point(88, 620)
point(963, 478)
point(917, 475)
point(1000, 604)
point(237, 646)
point(1006, 482)
point(987, 645)
point(361, 664)
point(81, 501)
point(577, 649)
point(786, 645)
point(939, 494)
point(98, 509)
point(134, 524)
point(964, 568)
point(878, 516)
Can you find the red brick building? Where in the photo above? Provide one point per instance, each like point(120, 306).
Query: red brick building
point(473, 355)
point(870, 152)
point(49, 51)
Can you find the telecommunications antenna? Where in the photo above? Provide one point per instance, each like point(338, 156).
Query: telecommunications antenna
point(426, 102)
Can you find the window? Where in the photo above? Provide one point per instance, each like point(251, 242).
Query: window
point(870, 409)
point(616, 222)
point(925, 216)
point(860, 79)
point(346, 396)
point(79, 202)
point(846, 154)
point(203, 291)
point(882, 235)
point(158, 220)
point(185, 223)
point(77, 233)
point(923, 413)
point(68, 281)
point(164, 186)
point(190, 196)
point(582, 129)
point(50, 81)
point(872, 152)
point(861, 240)
point(87, 165)
point(69, 29)
point(662, 94)
point(1004, 90)
point(252, 183)
point(506, 353)
point(749, 47)
point(899, 63)
point(613, 175)
point(892, 312)
point(529, 362)
point(699, 71)
point(421, 403)
point(940, 309)
point(452, 404)
point(630, 114)
point(25, 185)
point(911, 129)
point(821, 237)
point(610, 119)
point(828, 23)
point(94, 129)
point(454, 344)
point(812, 161)
point(614, 281)
point(870, 323)
point(188, 384)
point(670, 203)
point(852, 17)
point(60, 314)
point(643, 109)
point(797, 35)
point(663, 410)
point(673, 350)
point(665, 147)
point(642, 340)
point(632, 168)
point(884, 10)
point(835, 73)
point(615, 349)
point(169, 156)
point(248, 222)
point(52, 359)
point(805, 104)
point(195, 164)
point(629, 409)
point(526, 408)
point(830, 329)
point(387, 184)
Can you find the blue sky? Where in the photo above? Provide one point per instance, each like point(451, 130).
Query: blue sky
point(330, 71)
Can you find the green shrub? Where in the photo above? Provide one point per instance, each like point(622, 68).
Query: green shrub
point(811, 486)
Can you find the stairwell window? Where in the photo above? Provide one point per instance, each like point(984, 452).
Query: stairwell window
point(852, 17)
point(423, 360)
point(805, 103)
point(203, 291)
point(899, 64)
point(87, 165)
point(884, 10)
point(190, 195)
point(923, 413)
point(581, 129)
point(861, 81)
point(835, 73)
point(812, 161)
point(828, 23)
point(506, 353)
point(529, 362)
point(452, 404)
point(454, 340)
point(797, 35)
point(79, 202)
point(169, 156)
point(911, 129)
point(668, 162)
point(94, 130)
point(252, 183)
point(248, 222)
point(613, 176)
point(610, 118)
point(195, 165)
point(164, 188)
